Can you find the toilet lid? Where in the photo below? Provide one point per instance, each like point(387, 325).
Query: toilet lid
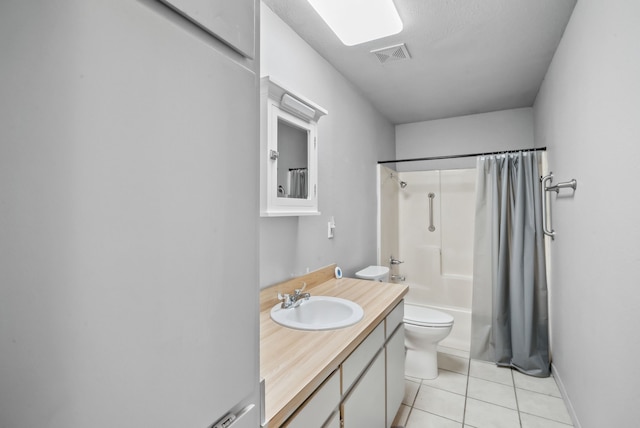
point(372, 272)
point(419, 315)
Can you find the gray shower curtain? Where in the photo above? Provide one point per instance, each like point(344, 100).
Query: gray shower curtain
point(510, 312)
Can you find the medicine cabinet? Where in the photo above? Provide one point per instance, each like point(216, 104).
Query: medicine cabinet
point(289, 152)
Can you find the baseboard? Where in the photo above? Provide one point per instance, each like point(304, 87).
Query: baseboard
point(558, 377)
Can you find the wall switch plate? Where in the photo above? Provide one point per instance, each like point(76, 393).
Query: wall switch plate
point(331, 227)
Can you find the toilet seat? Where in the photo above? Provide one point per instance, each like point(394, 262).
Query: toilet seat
point(426, 317)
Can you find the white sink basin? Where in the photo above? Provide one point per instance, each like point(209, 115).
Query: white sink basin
point(319, 313)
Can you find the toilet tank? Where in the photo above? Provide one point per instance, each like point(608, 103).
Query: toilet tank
point(374, 273)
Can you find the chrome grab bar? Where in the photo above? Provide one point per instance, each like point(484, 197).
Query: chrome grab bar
point(544, 181)
point(431, 226)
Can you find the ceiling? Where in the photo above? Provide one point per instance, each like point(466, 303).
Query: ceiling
point(467, 56)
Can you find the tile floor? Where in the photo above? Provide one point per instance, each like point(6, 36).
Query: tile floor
point(475, 394)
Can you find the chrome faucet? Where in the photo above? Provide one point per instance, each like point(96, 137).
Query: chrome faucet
point(394, 261)
point(293, 300)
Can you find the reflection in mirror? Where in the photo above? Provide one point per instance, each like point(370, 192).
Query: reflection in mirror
point(292, 161)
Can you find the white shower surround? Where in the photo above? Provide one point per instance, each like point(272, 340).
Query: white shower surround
point(438, 265)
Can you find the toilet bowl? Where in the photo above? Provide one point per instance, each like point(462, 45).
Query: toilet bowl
point(424, 328)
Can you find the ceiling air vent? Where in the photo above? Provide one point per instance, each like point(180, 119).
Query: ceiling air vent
point(392, 53)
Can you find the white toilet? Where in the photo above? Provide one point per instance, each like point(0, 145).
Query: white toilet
point(424, 328)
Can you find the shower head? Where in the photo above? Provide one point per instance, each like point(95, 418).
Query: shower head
point(403, 184)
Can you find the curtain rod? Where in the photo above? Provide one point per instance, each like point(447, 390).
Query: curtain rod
point(467, 155)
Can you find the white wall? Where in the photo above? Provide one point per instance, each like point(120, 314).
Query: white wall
point(487, 132)
point(587, 114)
point(121, 245)
point(352, 138)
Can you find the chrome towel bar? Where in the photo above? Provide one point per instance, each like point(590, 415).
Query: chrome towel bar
point(573, 184)
point(546, 213)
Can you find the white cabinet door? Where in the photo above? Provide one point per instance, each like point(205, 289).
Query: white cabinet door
point(334, 421)
point(365, 405)
point(395, 373)
point(317, 409)
point(132, 243)
point(230, 21)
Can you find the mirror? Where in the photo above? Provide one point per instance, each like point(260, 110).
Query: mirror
point(289, 146)
point(293, 162)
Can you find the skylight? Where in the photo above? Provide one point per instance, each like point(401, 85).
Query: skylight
point(359, 21)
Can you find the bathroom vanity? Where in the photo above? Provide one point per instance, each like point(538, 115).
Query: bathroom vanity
point(353, 375)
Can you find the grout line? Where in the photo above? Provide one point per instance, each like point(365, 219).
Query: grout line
point(440, 388)
point(466, 393)
point(495, 404)
point(406, 422)
point(547, 419)
point(413, 402)
point(538, 392)
point(440, 416)
point(515, 394)
point(493, 381)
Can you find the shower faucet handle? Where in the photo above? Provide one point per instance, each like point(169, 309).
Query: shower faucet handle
point(394, 261)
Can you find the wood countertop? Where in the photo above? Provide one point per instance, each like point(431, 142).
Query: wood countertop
point(294, 363)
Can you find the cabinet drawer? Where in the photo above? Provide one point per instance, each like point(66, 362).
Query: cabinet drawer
point(316, 410)
point(360, 358)
point(394, 319)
